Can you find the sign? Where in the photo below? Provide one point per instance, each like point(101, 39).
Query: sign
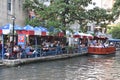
point(21, 40)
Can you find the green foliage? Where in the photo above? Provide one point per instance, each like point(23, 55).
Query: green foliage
point(53, 23)
point(34, 22)
point(116, 9)
point(60, 13)
point(116, 32)
point(70, 49)
point(28, 5)
point(101, 16)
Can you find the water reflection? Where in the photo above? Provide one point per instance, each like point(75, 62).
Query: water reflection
point(79, 68)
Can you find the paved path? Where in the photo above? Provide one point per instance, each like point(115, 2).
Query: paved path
point(44, 58)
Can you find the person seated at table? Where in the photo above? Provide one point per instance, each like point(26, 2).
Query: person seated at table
point(106, 44)
point(100, 45)
point(8, 51)
point(55, 44)
point(91, 45)
point(15, 51)
point(29, 50)
point(63, 48)
point(45, 47)
point(51, 44)
point(94, 42)
point(82, 45)
point(20, 51)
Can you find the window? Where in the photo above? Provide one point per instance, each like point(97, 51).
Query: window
point(20, 4)
point(9, 5)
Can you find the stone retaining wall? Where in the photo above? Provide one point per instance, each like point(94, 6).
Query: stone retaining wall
point(17, 62)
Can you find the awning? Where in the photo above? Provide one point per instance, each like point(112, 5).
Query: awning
point(114, 40)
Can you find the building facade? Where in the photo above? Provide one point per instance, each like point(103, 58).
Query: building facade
point(105, 4)
point(9, 8)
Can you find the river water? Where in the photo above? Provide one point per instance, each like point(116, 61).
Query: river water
point(77, 68)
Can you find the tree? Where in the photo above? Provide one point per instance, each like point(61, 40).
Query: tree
point(33, 5)
point(101, 16)
point(116, 32)
point(116, 9)
point(34, 22)
point(62, 13)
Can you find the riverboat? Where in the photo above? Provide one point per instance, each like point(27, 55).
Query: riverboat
point(101, 50)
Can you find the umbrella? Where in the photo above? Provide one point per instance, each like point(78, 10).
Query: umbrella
point(89, 36)
point(37, 31)
point(0, 31)
point(59, 32)
point(16, 27)
point(40, 31)
point(6, 28)
point(28, 27)
point(51, 29)
point(82, 35)
point(76, 35)
point(44, 31)
point(28, 30)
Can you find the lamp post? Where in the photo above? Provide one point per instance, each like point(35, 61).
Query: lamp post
point(13, 18)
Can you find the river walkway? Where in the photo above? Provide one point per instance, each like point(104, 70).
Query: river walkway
point(16, 62)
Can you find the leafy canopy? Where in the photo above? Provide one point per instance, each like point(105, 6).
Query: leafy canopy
point(116, 32)
point(62, 13)
point(116, 9)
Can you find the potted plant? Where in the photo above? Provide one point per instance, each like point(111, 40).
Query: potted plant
point(70, 49)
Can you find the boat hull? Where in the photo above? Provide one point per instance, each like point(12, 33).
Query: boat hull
point(101, 51)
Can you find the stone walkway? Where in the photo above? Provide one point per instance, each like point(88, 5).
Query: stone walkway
point(17, 62)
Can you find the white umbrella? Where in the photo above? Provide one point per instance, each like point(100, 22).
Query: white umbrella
point(7, 28)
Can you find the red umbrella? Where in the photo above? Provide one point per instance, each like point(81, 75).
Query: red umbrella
point(89, 36)
point(60, 34)
point(27, 30)
point(77, 35)
point(0, 31)
point(30, 32)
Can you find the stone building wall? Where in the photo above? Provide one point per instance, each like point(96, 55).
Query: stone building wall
point(16, 9)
